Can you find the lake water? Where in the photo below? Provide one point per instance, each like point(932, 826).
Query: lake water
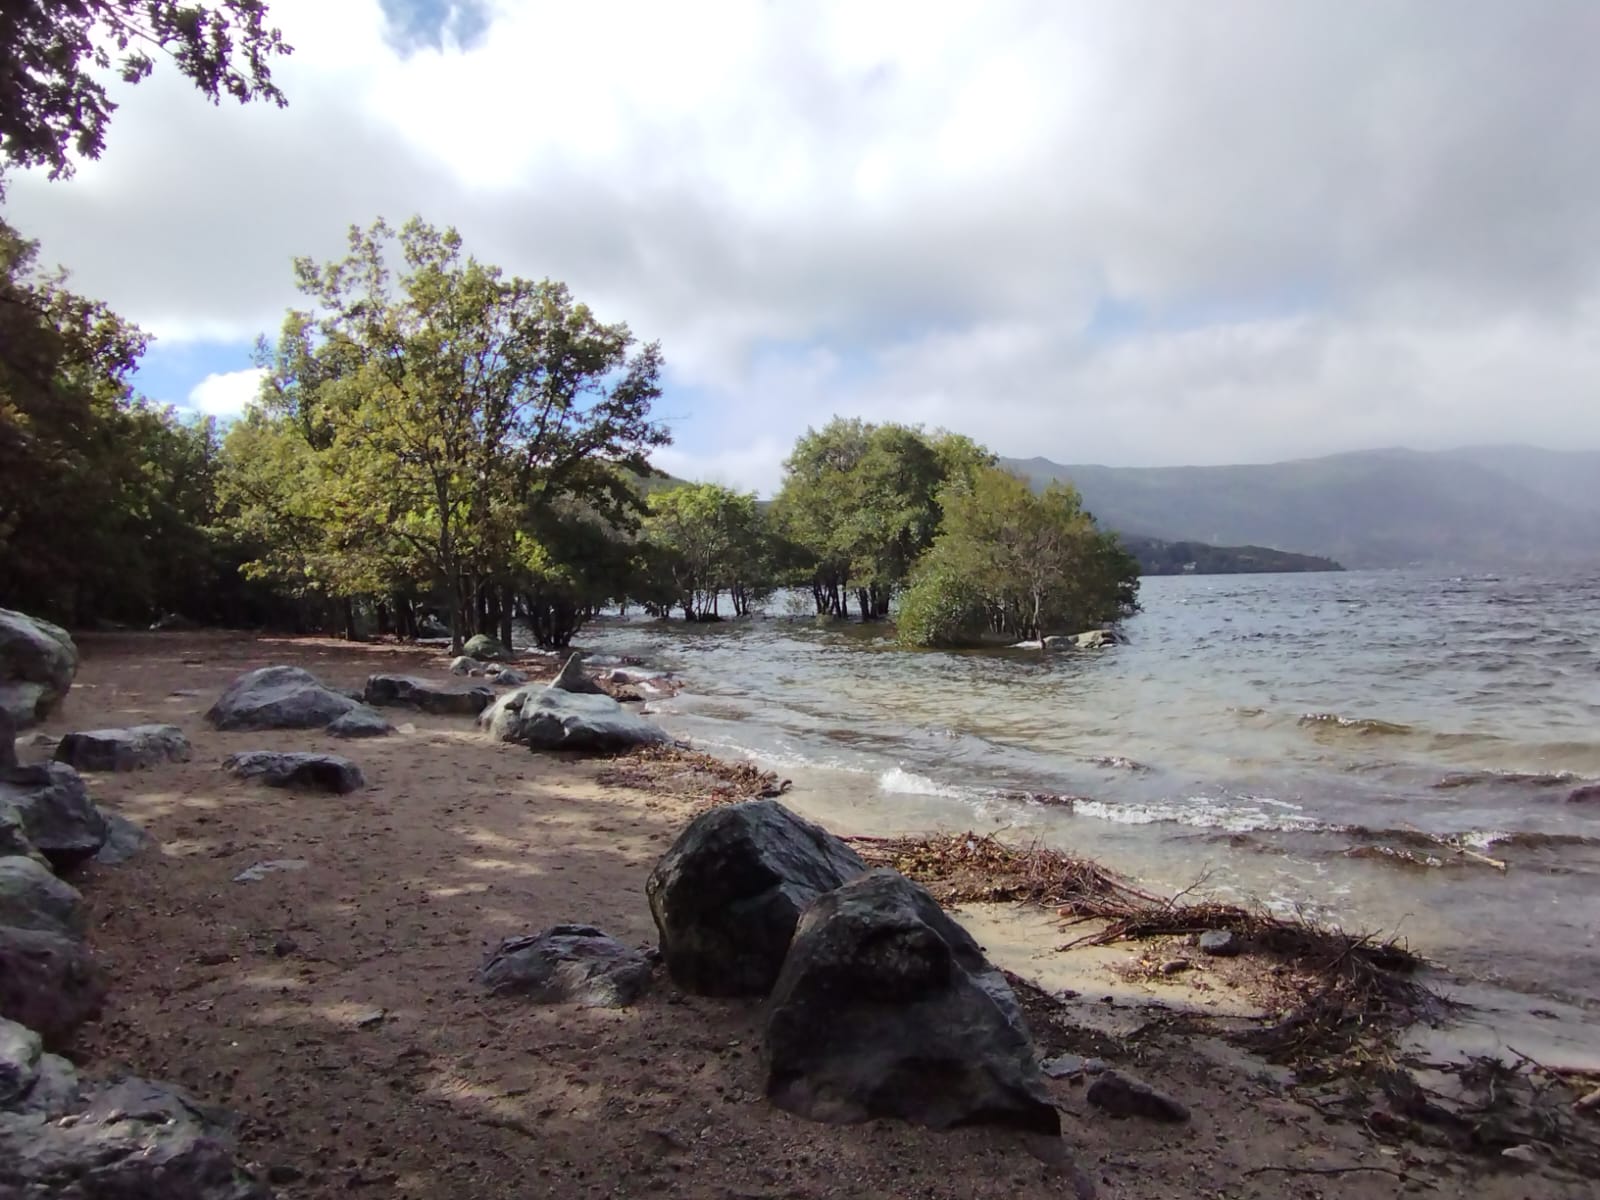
point(1279, 737)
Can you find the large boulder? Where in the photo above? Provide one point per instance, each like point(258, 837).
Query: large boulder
point(278, 698)
point(48, 982)
point(31, 897)
point(135, 1140)
point(407, 691)
point(123, 749)
point(287, 769)
point(727, 896)
point(51, 805)
point(573, 678)
point(37, 663)
point(568, 964)
point(484, 648)
point(32, 1081)
point(544, 718)
point(887, 1008)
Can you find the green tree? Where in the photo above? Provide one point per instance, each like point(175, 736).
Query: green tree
point(51, 103)
point(446, 410)
point(1017, 563)
point(862, 503)
point(707, 539)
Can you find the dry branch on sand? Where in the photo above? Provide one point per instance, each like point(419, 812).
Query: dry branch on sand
point(689, 773)
point(1348, 990)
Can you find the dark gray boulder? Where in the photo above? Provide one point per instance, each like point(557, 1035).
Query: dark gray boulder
point(887, 1008)
point(361, 722)
point(573, 678)
point(568, 964)
point(288, 769)
point(727, 896)
point(32, 1081)
point(484, 648)
point(123, 749)
point(51, 805)
point(1220, 943)
point(278, 698)
point(134, 1140)
point(37, 663)
point(124, 839)
point(544, 718)
point(440, 699)
point(48, 982)
point(31, 897)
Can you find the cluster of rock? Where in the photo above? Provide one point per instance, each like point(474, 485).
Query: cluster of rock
point(572, 712)
point(60, 1136)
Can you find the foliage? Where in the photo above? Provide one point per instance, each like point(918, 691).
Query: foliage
point(1017, 563)
point(704, 539)
point(439, 417)
point(861, 502)
point(50, 103)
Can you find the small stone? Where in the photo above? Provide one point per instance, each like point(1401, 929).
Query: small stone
point(371, 1018)
point(261, 870)
point(1175, 966)
point(281, 1173)
point(1522, 1154)
point(1062, 1066)
point(1124, 1096)
point(284, 947)
point(1219, 943)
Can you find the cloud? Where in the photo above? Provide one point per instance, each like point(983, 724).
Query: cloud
point(224, 394)
point(1120, 231)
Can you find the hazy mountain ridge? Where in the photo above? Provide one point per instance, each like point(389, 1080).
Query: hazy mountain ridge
point(1476, 507)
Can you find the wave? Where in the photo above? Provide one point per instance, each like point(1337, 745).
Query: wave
point(1361, 725)
point(897, 781)
point(1533, 779)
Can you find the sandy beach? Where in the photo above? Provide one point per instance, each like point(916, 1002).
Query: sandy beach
point(333, 1005)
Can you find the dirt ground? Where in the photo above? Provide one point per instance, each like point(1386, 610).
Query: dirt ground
point(334, 1007)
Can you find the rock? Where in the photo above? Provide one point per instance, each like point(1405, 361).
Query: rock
point(1524, 1154)
point(135, 1140)
point(37, 663)
point(1123, 1096)
point(14, 838)
point(727, 896)
point(361, 722)
point(568, 964)
point(508, 677)
point(48, 982)
point(1093, 639)
point(544, 718)
point(1220, 943)
point(32, 1081)
point(8, 740)
point(1175, 966)
point(172, 623)
point(276, 768)
point(887, 1008)
point(123, 749)
point(1588, 793)
point(31, 897)
point(1063, 1066)
point(53, 808)
point(484, 648)
point(256, 872)
point(278, 698)
point(124, 839)
point(408, 691)
point(573, 678)
point(462, 665)
point(432, 628)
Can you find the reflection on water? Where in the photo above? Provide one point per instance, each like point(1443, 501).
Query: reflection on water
point(1257, 730)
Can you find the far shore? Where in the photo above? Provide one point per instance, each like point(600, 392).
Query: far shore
point(334, 1006)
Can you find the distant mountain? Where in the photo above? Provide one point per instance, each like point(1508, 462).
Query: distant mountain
point(1480, 507)
point(1158, 557)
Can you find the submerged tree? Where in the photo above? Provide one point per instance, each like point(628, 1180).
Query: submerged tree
point(702, 540)
point(1017, 563)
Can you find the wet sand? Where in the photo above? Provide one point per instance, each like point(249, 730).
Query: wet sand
point(334, 1007)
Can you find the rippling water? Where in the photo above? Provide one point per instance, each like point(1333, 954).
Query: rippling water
point(1285, 737)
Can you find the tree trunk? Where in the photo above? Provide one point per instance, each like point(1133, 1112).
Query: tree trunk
point(347, 610)
point(507, 605)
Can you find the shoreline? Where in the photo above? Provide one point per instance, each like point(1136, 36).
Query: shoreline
point(457, 841)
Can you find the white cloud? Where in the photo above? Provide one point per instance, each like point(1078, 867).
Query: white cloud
point(1341, 225)
point(224, 394)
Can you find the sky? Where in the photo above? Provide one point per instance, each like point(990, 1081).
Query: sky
point(1131, 232)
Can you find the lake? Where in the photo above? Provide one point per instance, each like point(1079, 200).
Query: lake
point(1283, 738)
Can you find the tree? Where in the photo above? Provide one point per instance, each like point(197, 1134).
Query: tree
point(863, 502)
point(707, 539)
point(1017, 563)
point(50, 103)
point(447, 410)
